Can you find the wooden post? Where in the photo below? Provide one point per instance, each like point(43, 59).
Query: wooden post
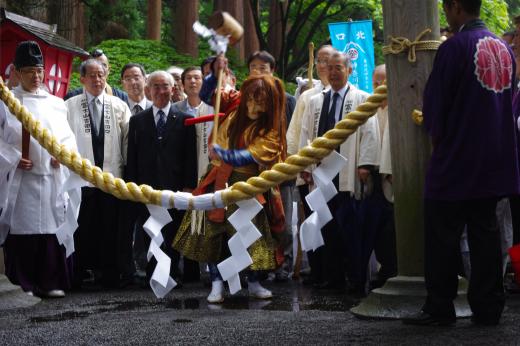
point(410, 144)
point(153, 24)
point(185, 13)
point(411, 149)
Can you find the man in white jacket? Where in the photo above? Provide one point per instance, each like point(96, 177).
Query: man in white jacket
point(100, 123)
point(32, 205)
point(362, 152)
point(293, 141)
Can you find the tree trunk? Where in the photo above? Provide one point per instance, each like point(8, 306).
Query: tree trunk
point(410, 145)
point(68, 16)
point(251, 42)
point(153, 26)
point(236, 9)
point(275, 34)
point(185, 13)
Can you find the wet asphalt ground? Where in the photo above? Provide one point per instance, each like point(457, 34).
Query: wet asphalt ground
point(297, 315)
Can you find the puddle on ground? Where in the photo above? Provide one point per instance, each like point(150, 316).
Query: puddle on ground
point(239, 302)
point(289, 300)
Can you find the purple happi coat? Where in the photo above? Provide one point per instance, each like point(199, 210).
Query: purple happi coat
point(468, 113)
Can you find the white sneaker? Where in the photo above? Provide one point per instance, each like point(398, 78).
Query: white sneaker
point(257, 291)
point(216, 295)
point(55, 294)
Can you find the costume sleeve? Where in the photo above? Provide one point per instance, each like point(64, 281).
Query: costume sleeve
point(438, 92)
point(266, 150)
point(228, 98)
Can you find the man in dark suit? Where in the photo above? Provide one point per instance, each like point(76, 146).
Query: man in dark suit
point(161, 153)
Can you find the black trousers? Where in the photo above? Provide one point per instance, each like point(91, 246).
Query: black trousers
point(443, 226)
point(96, 239)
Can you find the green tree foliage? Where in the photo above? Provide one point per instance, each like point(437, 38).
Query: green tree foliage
point(115, 19)
point(493, 12)
point(514, 7)
point(152, 55)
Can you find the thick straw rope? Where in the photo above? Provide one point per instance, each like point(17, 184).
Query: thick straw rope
point(311, 154)
point(402, 44)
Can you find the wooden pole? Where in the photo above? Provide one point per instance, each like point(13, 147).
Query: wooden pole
point(410, 144)
point(217, 105)
point(153, 24)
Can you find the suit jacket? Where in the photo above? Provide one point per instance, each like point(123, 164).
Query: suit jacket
point(170, 163)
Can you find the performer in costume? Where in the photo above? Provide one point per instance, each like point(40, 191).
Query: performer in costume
point(251, 138)
point(33, 208)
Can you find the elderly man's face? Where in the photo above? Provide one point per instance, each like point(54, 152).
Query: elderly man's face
point(95, 80)
point(338, 72)
point(160, 90)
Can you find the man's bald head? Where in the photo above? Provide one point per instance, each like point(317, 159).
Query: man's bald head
point(379, 75)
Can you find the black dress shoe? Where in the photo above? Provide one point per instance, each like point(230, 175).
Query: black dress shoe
point(425, 319)
point(479, 321)
point(329, 285)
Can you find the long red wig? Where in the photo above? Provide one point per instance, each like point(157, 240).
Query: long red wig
point(265, 90)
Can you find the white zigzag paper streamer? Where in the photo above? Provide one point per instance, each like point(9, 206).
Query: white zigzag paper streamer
point(246, 234)
point(161, 282)
point(65, 233)
point(310, 230)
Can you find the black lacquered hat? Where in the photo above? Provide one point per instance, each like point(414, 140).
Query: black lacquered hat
point(28, 53)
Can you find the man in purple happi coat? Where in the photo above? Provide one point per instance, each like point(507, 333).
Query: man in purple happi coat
point(468, 113)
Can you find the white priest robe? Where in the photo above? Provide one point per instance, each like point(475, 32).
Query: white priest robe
point(294, 129)
point(32, 201)
point(116, 117)
point(385, 165)
point(361, 148)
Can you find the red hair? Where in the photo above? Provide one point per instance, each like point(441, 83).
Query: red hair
point(269, 91)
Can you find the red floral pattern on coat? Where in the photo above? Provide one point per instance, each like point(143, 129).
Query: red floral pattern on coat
point(493, 64)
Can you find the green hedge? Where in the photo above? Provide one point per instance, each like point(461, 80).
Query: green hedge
point(154, 56)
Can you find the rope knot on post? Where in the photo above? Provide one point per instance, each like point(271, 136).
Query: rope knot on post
point(402, 44)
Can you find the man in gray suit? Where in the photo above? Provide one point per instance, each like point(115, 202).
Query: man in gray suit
point(133, 79)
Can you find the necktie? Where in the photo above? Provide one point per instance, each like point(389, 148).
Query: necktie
point(96, 113)
point(161, 124)
point(331, 119)
point(136, 109)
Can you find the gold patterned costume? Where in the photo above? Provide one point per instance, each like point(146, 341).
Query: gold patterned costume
point(210, 245)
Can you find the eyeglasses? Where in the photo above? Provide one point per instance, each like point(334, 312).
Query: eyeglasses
point(321, 62)
point(96, 53)
point(131, 79)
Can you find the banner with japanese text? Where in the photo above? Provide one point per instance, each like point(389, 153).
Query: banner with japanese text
point(356, 39)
